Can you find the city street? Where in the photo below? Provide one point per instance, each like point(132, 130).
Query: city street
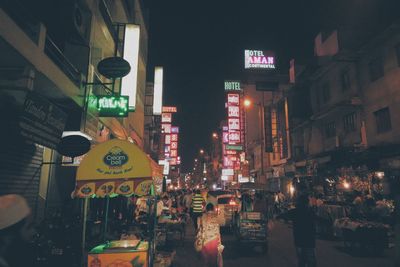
point(281, 252)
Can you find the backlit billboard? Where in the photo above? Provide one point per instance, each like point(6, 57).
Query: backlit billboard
point(259, 59)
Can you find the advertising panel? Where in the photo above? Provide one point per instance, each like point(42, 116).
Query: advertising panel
point(259, 59)
point(225, 137)
point(166, 117)
point(233, 137)
point(169, 109)
point(167, 139)
point(129, 82)
point(232, 86)
point(158, 90)
point(227, 172)
point(234, 124)
point(233, 111)
point(174, 145)
point(174, 137)
point(166, 128)
point(233, 100)
point(174, 129)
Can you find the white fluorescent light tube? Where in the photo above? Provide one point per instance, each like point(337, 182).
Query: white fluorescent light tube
point(131, 54)
point(158, 90)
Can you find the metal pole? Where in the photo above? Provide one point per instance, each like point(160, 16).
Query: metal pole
point(84, 222)
point(106, 217)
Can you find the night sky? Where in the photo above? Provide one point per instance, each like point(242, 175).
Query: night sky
point(201, 43)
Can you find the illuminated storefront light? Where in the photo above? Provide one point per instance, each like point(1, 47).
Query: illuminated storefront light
point(158, 90)
point(131, 54)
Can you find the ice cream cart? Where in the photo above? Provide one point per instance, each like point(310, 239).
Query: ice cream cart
point(118, 167)
point(121, 253)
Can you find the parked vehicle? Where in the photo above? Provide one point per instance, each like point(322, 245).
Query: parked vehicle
point(226, 205)
point(250, 227)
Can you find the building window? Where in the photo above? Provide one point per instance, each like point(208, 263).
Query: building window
point(345, 77)
point(397, 48)
point(330, 129)
point(349, 122)
point(382, 118)
point(375, 69)
point(326, 93)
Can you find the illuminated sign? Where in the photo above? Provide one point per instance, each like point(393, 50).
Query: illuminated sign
point(174, 145)
point(169, 109)
point(232, 86)
point(233, 111)
point(224, 177)
point(172, 161)
point(234, 124)
point(166, 128)
point(167, 139)
point(174, 137)
point(233, 147)
point(233, 99)
point(166, 117)
point(227, 172)
point(131, 55)
point(234, 137)
point(231, 152)
point(158, 90)
point(257, 59)
point(174, 129)
point(112, 106)
point(174, 153)
point(225, 137)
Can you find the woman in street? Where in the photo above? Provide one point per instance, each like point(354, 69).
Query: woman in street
point(209, 238)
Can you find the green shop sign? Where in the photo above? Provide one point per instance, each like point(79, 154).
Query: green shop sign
point(112, 106)
point(234, 147)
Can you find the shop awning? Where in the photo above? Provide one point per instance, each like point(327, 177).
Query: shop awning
point(116, 167)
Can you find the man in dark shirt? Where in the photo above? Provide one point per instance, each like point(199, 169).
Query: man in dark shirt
point(303, 218)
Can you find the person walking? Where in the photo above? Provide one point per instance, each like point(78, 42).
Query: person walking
point(197, 207)
point(187, 201)
point(208, 238)
point(16, 232)
point(304, 233)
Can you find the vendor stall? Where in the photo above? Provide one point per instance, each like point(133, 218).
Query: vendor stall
point(364, 236)
point(112, 168)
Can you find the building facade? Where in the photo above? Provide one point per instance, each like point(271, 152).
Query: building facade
point(49, 79)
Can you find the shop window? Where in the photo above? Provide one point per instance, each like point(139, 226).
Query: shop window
point(349, 122)
point(326, 93)
point(330, 129)
point(375, 68)
point(345, 78)
point(382, 118)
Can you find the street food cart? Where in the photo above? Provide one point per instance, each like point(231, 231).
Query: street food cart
point(121, 253)
point(251, 228)
point(118, 167)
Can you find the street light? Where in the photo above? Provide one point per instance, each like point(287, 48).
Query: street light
point(247, 103)
point(201, 151)
point(215, 135)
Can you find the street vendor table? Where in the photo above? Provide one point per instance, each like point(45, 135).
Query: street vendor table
point(363, 235)
point(327, 215)
point(121, 253)
point(167, 228)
